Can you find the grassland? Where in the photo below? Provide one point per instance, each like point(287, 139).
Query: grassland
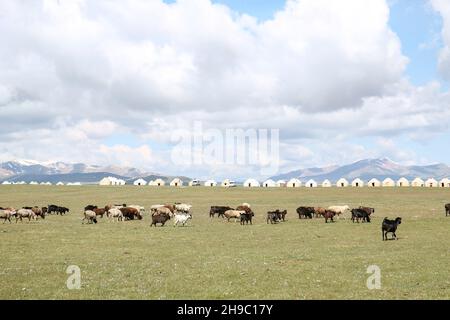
point(213, 259)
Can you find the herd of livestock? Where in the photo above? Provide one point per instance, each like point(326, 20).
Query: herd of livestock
point(181, 214)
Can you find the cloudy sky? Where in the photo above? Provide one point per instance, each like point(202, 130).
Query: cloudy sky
point(108, 81)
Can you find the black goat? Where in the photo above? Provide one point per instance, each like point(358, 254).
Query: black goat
point(390, 226)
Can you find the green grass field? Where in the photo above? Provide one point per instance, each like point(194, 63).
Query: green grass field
point(213, 259)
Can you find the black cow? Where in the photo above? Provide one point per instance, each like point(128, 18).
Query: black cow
point(306, 212)
point(390, 226)
point(219, 210)
point(447, 209)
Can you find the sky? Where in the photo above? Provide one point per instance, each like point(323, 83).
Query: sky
point(126, 82)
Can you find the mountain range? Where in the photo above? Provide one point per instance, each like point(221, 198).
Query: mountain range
point(367, 169)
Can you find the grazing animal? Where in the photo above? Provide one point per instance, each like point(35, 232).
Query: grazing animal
point(368, 210)
point(171, 207)
point(141, 209)
point(181, 218)
point(100, 211)
point(246, 217)
point(162, 210)
point(25, 213)
point(360, 214)
point(319, 211)
point(339, 209)
point(390, 226)
point(44, 210)
point(236, 214)
point(160, 218)
point(272, 217)
point(90, 207)
point(306, 212)
point(130, 213)
point(57, 209)
point(219, 210)
point(6, 214)
point(90, 216)
point(282, 214)
point(328, 214)
point(245, 207)
point(115, 214)
point(183, 207)
point(447, 209)
point(38, 212)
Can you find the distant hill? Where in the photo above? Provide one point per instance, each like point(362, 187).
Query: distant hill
point(368, 169)
point(84, 178)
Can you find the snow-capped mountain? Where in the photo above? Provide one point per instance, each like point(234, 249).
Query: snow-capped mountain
point(367, 169)
point(28, 168)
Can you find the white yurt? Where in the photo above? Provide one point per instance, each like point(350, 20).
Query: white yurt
point(251, 183)
point(281, 183)
point(388, 182)
point(294, 183)
point(418, 182)
point(177, 182)
point(159, 182)
point(210, 183)
point(76, 183)
point(60, 183)
point(357, 183)
point(403, 182)
point(311, 184)
point(342, 182)
point(227, 183)
point(326, 184)
point(431, 183)
point(444, 183)
point(34, 182)
point(269, 183)
point(111, 181)
point(140, 182)
point(194, 183)
point(374, 183)
point(6, 182)
point(21, 182)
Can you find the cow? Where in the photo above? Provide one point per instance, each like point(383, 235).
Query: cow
point(160, 218)
point(246, 217)
point(390, 226)
point(90, 216)
point(272, 217)
point(181, 218)
point(339, 209)
point(115, 214)
point(236, 214)
point(130, 213)
point(306, 212)
point(328, 214)
point(219, 210)
point(447, 209)
point(358, 214)
point(6, 214)
point(25, 213)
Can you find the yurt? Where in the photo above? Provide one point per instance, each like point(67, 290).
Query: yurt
point(417, 182)
point(431, 183)
point(326, 184)
point(34, 182)
point(111, 181)
point(228, 183)
point(403, 182)
point(140, 182)
point(269, 184)
point(311, 184)
point(60, 183)
point(194, 183)
point(251, 183)
point(342, 183)
point(159, 182)
point(281, 183)
point(77, 183)
point(6, 182)
point(444, 183)
point(294, 183)
point(374, 183)
point(357, 183)
point(176, 182)
point(388, 182)
point(210, 183)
